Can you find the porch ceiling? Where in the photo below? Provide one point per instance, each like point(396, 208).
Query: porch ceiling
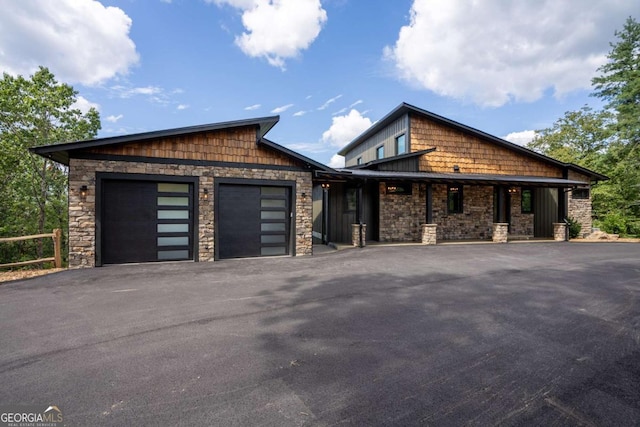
point(470, 179)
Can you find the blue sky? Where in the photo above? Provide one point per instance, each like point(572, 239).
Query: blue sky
point(329, 68)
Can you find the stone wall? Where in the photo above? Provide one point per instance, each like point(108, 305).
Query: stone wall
point(401, 215)
point(476, 221)
point(82, 219)
point(580, 209)
point(521, 223)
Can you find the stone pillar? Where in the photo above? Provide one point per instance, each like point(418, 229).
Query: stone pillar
point(429, 234)
point(559, 231)
point(500, 232)
point(355, 234)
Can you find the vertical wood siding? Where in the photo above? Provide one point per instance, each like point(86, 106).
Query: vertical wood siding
point(386, 137)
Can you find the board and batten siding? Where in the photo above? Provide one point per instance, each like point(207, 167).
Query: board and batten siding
point(470, 153)
point(386, 137)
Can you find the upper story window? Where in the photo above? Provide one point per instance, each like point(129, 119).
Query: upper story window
point(454, 199)
point(380, 152)
point(401, 144)
point(359, 160)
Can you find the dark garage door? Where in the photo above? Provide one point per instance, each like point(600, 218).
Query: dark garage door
point(253, 220)
point(144, 221)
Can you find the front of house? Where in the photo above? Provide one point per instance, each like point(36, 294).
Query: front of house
point(223, 190)
point(415, 173)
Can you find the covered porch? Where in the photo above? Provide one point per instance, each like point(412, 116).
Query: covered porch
point(356, 206)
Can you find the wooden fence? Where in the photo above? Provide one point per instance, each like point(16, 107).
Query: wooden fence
point(56, 258)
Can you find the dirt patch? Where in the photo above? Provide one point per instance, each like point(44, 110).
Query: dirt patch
point(7, 276)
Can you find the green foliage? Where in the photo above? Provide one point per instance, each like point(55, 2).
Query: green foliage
point(33, 190)
point(607, 141)
point(574, 228)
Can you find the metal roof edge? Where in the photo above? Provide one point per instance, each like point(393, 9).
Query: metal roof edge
point(296, 155)
point(393, 158)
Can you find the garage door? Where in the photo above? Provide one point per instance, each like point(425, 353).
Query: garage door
point(253, 220)
point(144, 221)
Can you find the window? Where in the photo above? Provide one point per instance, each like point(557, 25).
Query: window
point(580, 193)
point(526, 203)
point(454, 199)
point(401, 144)
point(380, 152)
point(359, 160)
point(350, 200)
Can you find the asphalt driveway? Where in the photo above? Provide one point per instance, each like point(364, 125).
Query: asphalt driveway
point(515, 334)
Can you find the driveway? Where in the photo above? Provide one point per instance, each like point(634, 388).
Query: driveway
point(514, 334)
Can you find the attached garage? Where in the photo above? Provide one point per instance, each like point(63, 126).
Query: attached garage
point(145, 218)
point(198, 193)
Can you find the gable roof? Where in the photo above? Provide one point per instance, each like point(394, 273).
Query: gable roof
point(60, 152)
point(405, 108)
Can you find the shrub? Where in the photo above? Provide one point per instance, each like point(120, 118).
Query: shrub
point(574, 228)
point(613, 223)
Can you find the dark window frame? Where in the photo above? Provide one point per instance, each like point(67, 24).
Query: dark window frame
point(359, 160)
point(379, 150)
point(350, 199)
point(523, 209)
point(397, 140)
point(459, 191)
point(581, 193)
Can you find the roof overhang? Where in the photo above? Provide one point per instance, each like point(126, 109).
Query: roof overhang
point(62, 152)
point(457, 178)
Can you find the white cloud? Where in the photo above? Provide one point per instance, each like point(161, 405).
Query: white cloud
point(84, 105)
point(329, 102)
point(252, 107)
point(277, 29)
point(182, 106)
point(114, 119)
point(79, 41)
point(358, 102)
point(281, 109)
point(299, 113)
point(493, 52)
point(153, 93)
point(340, 111)
point(337, 161)
point(345, 128)
point(521, 138)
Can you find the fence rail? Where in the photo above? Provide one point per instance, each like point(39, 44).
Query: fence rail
point(57, 254)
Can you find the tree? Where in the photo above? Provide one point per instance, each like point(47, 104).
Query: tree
point(36, 111)
point(619, 82)
point(609, 140)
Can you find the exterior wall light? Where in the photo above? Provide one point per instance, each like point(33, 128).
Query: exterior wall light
point(83, 191)
point(513, 190)
point(205, 194)
point(325, 185)
point(456, 168)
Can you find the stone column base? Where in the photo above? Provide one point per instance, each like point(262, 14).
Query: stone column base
point(429, 234)
point(500, 232)
point(355, 235)
point(559, 231)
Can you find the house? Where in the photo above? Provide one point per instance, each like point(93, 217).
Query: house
point(417, 176)
point(223, 190)
point(196, 193)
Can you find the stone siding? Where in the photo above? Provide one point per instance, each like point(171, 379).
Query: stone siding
point(476, 221)
point(580, 209)
point(521, 223)
point(82, 220)
point(401, 215)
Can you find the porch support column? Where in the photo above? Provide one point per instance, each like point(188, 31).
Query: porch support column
point(559, 231)
point(500, 232)
point(562, 204)
point(429, 234)
point(359, 230)
point(429, 204)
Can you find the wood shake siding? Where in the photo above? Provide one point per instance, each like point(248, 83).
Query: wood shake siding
point(229, 145)
point(470, 153)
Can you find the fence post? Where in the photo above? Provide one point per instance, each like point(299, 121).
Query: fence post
point(57, 233)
